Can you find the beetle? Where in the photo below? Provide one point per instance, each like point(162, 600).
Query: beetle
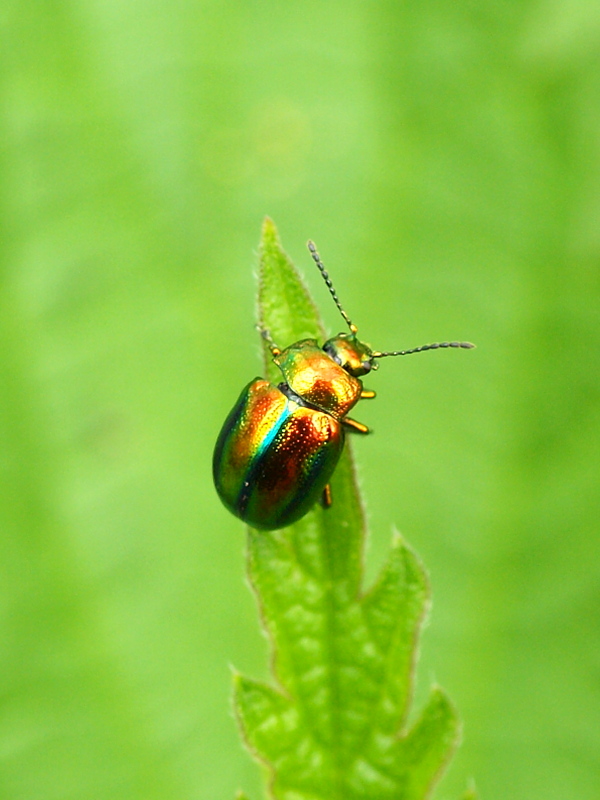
point(279, 445)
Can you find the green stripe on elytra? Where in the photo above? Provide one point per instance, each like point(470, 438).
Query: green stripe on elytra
point(244, 494)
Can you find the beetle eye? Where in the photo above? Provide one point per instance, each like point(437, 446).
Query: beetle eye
point(366, 365)
point(332, 352)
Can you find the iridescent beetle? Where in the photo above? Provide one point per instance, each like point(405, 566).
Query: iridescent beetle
point(280, 444)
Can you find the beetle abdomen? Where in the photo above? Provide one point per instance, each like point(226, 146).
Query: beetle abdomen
point(274, 456)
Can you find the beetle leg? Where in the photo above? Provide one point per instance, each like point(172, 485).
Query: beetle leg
point(326, 500)
point(367, 394)
point(355, 426)
point(267, 337)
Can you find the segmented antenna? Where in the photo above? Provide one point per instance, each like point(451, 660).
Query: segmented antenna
point(422, 348)
point(275, 349)
point(327, 279)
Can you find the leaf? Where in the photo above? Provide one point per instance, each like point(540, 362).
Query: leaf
point(471, 793)
point(334, 726)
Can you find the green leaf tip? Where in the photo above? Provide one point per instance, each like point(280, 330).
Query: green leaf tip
point(333, 724)
point(285, 309)
point(471, 793)
point(269, 231)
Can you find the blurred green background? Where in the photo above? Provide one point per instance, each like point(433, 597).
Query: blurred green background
point(445, 156)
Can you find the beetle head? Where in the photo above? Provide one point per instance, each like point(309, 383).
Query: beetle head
point(350, 353)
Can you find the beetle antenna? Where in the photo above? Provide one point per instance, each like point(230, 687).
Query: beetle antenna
point(327, 279)
point(275, 350)
point(422, 348)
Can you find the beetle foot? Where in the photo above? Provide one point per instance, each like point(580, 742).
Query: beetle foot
point(326, 499)
point(356, 427)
